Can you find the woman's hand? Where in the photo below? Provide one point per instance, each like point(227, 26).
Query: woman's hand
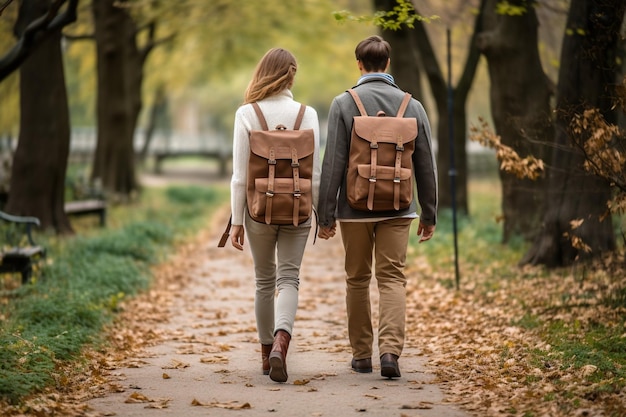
point(237, 237)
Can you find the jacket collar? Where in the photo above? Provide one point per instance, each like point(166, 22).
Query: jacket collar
point(377, 76)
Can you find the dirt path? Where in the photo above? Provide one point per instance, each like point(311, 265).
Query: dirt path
point(208, 362)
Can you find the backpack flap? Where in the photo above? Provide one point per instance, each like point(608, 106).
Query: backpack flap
point(282, 141)
point(370, 129)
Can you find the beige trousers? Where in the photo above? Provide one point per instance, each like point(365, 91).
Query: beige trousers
point(277, 253)
point(385, 242)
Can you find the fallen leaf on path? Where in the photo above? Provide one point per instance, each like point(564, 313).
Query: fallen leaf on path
point(159, 405)
point(137, 397)
point(422, 405)
point(233, 405)
point(175, 364)
point(215, 359)
point(301, 382)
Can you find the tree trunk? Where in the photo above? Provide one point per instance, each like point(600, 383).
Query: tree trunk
point(439, 88)
point(520, 107)
point(118, 102)
point(40, 162)
point(586, 80)
point(157, 117)
point(404, 55)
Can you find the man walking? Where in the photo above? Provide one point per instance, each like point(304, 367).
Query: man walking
point(381, 236)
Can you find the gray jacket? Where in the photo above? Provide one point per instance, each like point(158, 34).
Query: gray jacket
point(376, 93)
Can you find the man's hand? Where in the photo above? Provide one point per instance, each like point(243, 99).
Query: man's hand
point(327, 232)
point(425, 231)
point(237, 237)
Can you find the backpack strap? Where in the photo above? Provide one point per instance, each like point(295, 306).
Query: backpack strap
point(259, 114)
point(226, 233)
point(404, 105)
point(295, 166)
point(357, 100)
point(270, 185)
point(299, 117)
point(399, 150)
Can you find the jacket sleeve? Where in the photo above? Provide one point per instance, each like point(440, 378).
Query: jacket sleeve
point(425, 170)
point(333, 165)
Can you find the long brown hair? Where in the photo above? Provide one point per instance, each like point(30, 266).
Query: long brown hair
point(274, 73)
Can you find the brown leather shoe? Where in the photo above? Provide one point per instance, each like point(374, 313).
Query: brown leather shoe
point(278, 356)
point(265, 357)
point(363, 366)
point(389, 366)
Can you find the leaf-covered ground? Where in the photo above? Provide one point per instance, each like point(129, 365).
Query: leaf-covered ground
point(477, 341)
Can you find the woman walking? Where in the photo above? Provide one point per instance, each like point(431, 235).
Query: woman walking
point(277, 250)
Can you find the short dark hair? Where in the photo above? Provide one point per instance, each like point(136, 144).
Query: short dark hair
point(373, 53)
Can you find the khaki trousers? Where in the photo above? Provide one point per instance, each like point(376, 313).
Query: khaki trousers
point(385, 242)
point(277, 253)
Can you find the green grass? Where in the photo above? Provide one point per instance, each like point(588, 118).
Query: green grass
point(77, 292)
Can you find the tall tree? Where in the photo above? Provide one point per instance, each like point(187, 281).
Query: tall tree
point(38, 174)
point(439, 87)
point(520, 106)
point(117, 102)
point(120, 65)
point(575, 224)
point(405, 58)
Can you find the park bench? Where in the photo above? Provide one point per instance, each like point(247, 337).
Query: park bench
point(19, 251)
point(87, 207)
point(222, 157)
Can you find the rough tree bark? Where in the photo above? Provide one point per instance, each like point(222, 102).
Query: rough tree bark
point(586, 80)
point(117, 103)
point(40, 161)
point(520, 106)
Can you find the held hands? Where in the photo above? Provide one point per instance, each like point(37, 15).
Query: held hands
point(425, 231)
point(237, 237)
point(327, 232)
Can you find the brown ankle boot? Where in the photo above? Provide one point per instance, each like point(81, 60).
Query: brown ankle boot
point(265, 356)
point(278, 356)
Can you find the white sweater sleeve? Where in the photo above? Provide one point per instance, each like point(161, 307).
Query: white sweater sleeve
point(241, 150)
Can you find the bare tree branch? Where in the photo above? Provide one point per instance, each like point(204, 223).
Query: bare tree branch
point(4, 6)
point(34, 33)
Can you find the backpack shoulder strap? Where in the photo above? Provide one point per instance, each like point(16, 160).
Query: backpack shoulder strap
point(299, 117)
point(259, 114)
point(358, 102)
point(404, 105)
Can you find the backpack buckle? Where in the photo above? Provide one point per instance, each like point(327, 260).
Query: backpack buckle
point(396, 180)
point(271, 162)
point(400, 148)
point(281, 127)
point(372, 179)
point(269, 194)
point(373, 145)
point(297, 194)
point(295, 164)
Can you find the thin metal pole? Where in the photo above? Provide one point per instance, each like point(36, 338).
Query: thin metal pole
point(452, 171)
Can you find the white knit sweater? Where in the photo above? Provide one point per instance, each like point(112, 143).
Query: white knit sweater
point(278, 109)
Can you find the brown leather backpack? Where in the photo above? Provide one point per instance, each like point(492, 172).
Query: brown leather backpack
point(280, 172)
point(380, 168)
